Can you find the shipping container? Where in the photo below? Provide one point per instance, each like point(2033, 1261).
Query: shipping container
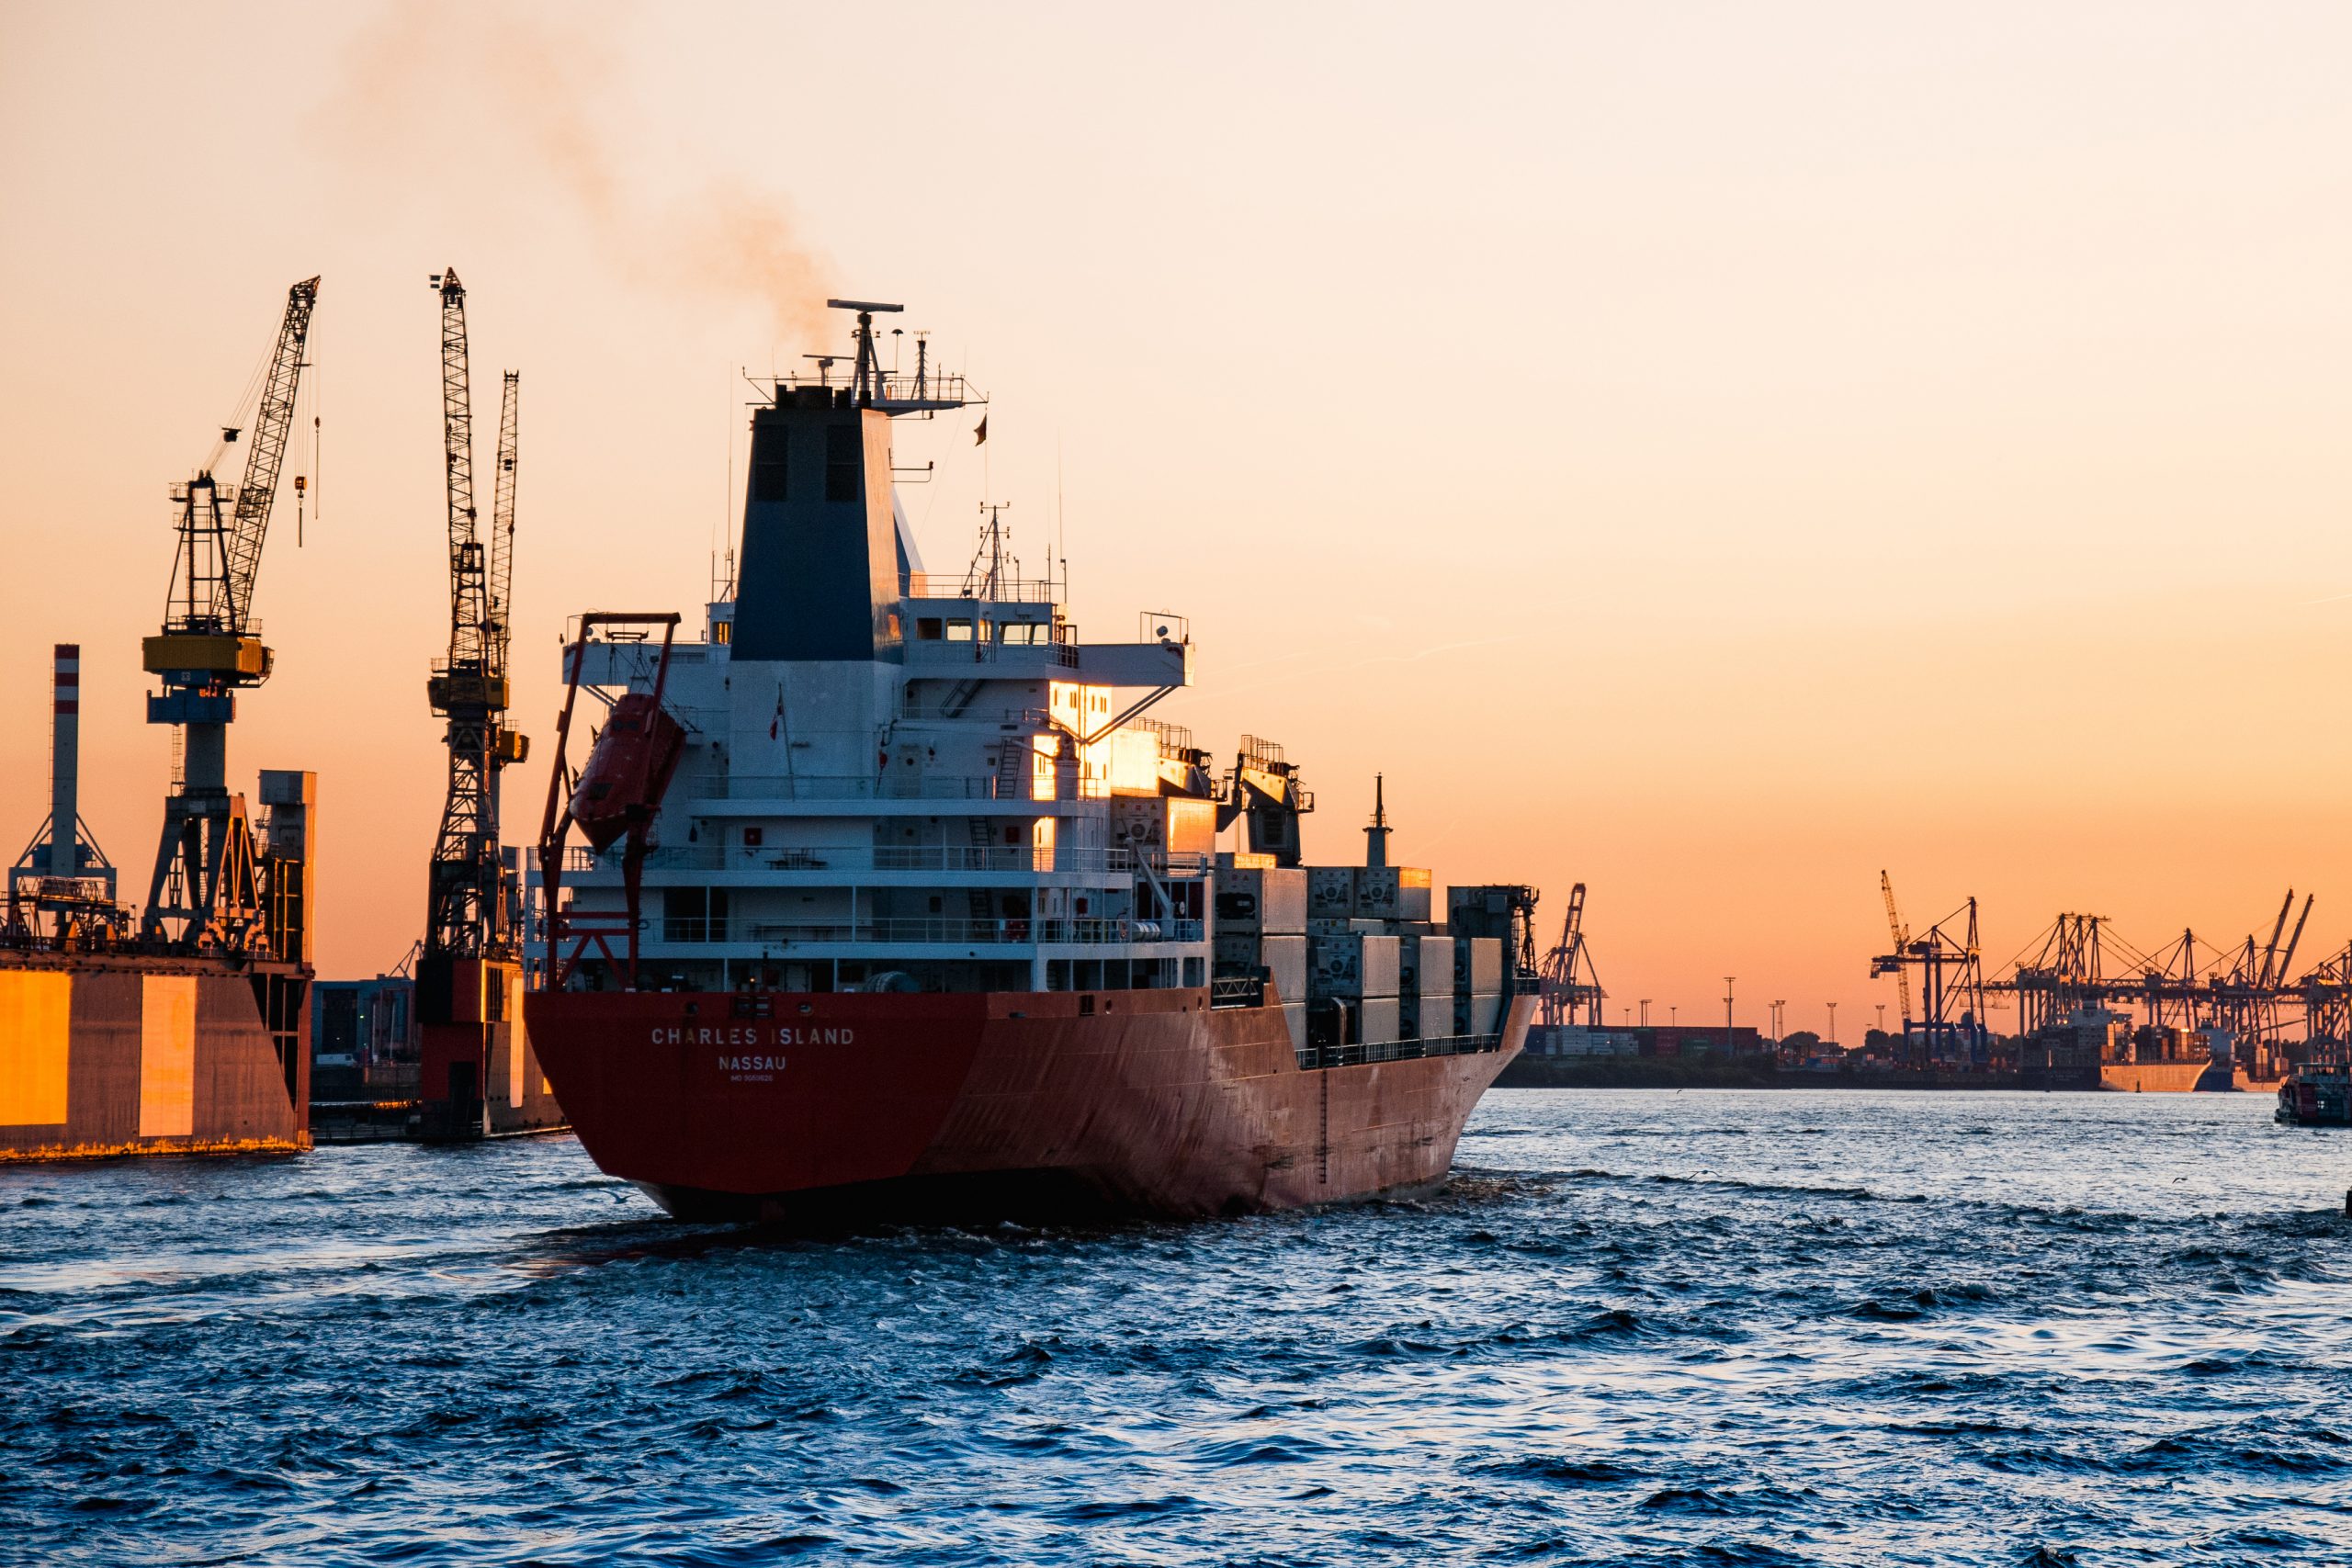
point(1285, 958)
point(1331, 891)
point(1477, 1013)
point(1230, 950)
point(1477, 965)
point(1294, 1019)
point(1269, 899)
point(1380, 1020)
point(1352, 965)
point(1392, 891)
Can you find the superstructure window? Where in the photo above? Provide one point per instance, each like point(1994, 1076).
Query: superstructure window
point(845, 457)
point(769, 470)
point(694, 914)
point(926, 628)
point(959, 629)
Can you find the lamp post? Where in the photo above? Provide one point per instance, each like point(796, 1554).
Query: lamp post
point(1727, 994)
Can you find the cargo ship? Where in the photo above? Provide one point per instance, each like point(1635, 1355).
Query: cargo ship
point(894, 901)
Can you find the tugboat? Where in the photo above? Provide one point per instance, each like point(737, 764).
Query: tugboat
point(939, 925)
point(2319, 1095)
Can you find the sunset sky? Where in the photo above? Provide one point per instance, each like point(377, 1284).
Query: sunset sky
point(1707, 452)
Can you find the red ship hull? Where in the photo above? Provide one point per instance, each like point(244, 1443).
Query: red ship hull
point(838, 1106)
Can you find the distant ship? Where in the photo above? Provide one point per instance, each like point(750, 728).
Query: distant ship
point(894, 901)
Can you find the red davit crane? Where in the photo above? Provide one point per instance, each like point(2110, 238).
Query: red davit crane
point(478, 1076)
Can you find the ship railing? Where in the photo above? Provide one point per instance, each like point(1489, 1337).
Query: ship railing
point(951, 931)
point(1025, 859)
point(1237, 991)
point(916, 787)
point(910, 786)
point(960, 585)
point(1403, 1050)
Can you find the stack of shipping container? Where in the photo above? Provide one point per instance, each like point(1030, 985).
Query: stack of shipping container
point(1353, 953)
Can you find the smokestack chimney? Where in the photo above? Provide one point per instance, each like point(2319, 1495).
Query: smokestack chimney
point(65, 763)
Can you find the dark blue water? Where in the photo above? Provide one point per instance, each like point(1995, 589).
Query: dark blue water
point(1645, 1328)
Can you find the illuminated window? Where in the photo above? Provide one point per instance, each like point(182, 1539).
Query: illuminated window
point(959, 629)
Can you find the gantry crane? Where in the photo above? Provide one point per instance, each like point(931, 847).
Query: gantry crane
point(1951, 979)
point(1571, 992)
point(206, 891)
point(467, 972)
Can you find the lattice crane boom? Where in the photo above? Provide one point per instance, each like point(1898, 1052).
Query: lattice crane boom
point(1902, 949)
point(273, 423)
point(469, 595)
point(501, 529)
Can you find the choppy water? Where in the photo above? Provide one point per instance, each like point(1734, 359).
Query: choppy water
point(1648, 1328)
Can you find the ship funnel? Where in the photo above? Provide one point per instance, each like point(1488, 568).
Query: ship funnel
point(65, 763)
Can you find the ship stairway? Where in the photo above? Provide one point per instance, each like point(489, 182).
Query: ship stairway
point(959, 698)
point(1012, 769)
point(983, 837)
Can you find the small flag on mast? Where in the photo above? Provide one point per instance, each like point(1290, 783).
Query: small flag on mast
point(980, 432)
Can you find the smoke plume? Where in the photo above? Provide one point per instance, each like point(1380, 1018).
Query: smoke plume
point(547, 88)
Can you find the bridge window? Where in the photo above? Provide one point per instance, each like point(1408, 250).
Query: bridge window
point(845, 457)
point(769, 470)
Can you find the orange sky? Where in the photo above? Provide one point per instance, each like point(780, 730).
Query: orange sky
point(1710, 452)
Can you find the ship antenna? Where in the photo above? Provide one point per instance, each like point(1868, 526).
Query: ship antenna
point(1376, 838)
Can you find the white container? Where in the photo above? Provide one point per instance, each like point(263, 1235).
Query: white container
point(1477, 965)
point(1285, 959)
point(1477, 1013)
point(1352, 964)
point(1380, 1022)
point(1331, 891)
point(1294, 1019)
point(1269, 899)
point(1392, 891)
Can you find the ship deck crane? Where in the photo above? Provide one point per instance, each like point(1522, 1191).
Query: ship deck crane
point(206, 892)
point(1264, 790)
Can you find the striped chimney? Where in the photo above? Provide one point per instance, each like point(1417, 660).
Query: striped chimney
point(65, 763)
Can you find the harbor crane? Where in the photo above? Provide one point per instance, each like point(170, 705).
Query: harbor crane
point(468, 970)
point(1571, 992)
point(1952, 982)
point(209, 887)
